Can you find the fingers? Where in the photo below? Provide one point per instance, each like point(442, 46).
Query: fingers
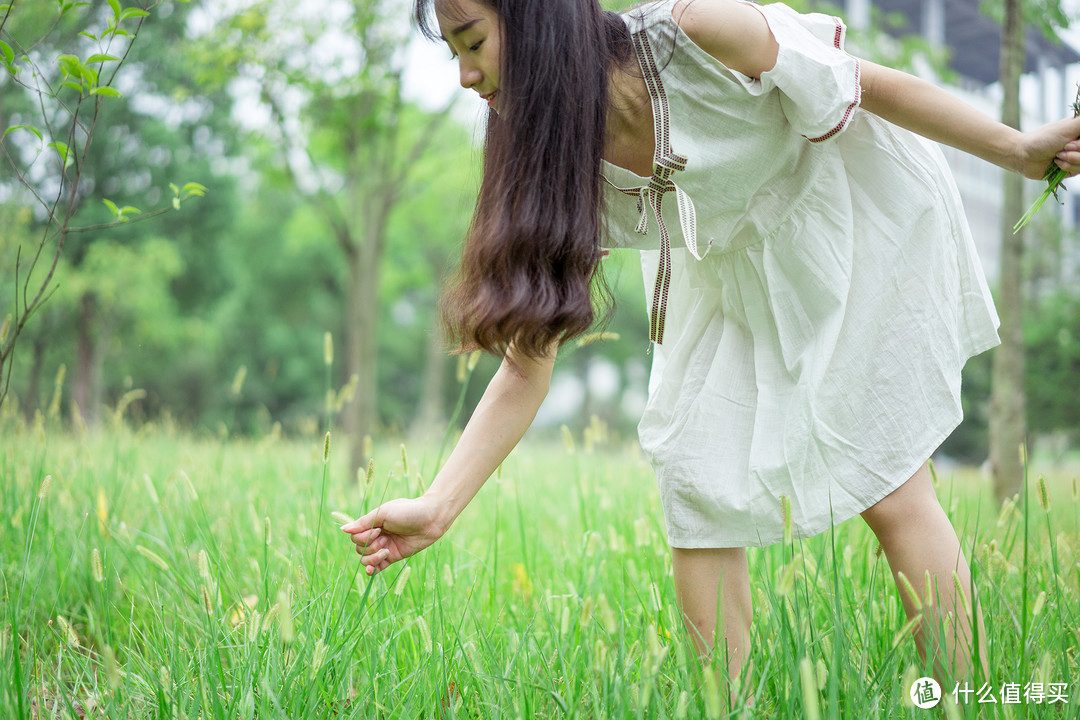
point(364, 538)
point(366, 522)
point(376, 561)
point(1069, 158)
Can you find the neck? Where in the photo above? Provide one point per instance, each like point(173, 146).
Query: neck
point(630, 138)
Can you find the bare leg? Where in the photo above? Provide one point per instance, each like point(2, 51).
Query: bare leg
point(702, 576)
point(917, 537)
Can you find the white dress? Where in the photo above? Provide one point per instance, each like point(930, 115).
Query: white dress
point(824, 288)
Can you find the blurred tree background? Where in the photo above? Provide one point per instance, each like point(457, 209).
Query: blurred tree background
point(334, 202)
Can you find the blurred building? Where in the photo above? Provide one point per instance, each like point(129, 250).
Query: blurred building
point(972, 41)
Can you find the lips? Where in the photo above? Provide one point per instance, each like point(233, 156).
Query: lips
point(490, 98)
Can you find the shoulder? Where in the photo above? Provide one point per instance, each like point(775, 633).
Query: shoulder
point(735, 33)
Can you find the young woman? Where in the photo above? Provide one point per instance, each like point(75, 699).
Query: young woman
point(814, 289)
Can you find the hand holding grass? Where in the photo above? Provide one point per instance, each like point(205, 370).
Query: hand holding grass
point(1064, 163)
point(394, 531)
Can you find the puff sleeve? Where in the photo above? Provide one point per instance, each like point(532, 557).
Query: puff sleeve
point(818, 81)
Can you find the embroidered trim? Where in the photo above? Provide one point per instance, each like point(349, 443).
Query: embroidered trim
point(665, 162)
point(850, 108)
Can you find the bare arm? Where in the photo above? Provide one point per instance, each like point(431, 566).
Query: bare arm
point(403, 527)
point(926, 109)
point(739, 36)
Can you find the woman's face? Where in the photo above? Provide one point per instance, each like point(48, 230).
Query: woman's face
point(471, 29)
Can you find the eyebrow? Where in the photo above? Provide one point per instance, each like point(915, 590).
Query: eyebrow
point(463, 27)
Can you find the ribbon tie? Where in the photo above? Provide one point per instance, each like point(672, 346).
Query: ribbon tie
point(665, 162)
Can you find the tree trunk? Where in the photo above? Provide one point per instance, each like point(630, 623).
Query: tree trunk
point(82, 389)
point(362, 325)
point(431, 410)
point(34, 402)
point(1007, 422)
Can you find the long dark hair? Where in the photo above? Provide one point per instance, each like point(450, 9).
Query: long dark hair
point(530, 262)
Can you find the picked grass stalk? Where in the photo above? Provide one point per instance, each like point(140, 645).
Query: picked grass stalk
point(1053, 177)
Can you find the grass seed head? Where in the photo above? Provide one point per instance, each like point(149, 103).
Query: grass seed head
point(286, 628)
point(402, 578)
point(1040, 601)
point(152, 556)
point(911, 674)
point(909, 628)
point(328, 349)
point(808, 680)
point(714, 706)
point(151, 491)
point(112, 670)
point(1076, 489)
point(266, 529)
point(909, 591)
point(369, 473)
point(96, 567)
point(425, 634)
point(43, 488)
point(70, 636)
point(102, 509)
point(318, 656)
point(961, 592)
point(682, 705)
point(238, 382)
point(204, 565)
point(447, 576)
point(189, 486)
point(207, 600)
point(326, 448)
point(404, 462)
point(567, 439)
point(1044, 496)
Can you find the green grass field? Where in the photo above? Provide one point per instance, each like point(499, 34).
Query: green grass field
point(157, 575)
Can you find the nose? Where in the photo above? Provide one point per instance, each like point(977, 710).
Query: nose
point(468, 74)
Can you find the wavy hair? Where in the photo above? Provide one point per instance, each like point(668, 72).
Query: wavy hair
point(530, 263)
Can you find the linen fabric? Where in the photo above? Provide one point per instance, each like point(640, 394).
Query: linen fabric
point(815, 349)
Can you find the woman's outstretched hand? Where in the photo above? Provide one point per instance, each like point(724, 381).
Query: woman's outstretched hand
point(394, 531)
point(1053, 143)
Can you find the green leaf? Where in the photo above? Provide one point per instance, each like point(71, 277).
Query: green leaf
point(106, 91)
point(29, 128)
point(89, 74)
point(132, 12)
point(101, 58)
point(73, 85)
point(115, 5)
point(193, 189)
point(130, 210)
point(175, 190)
point(176, 203)
point(69, 64)
point(7, 53)
point(64, 151)
point(112, 206)
point(89, 35)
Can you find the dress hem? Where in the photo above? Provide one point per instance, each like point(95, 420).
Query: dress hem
point(813, 531)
